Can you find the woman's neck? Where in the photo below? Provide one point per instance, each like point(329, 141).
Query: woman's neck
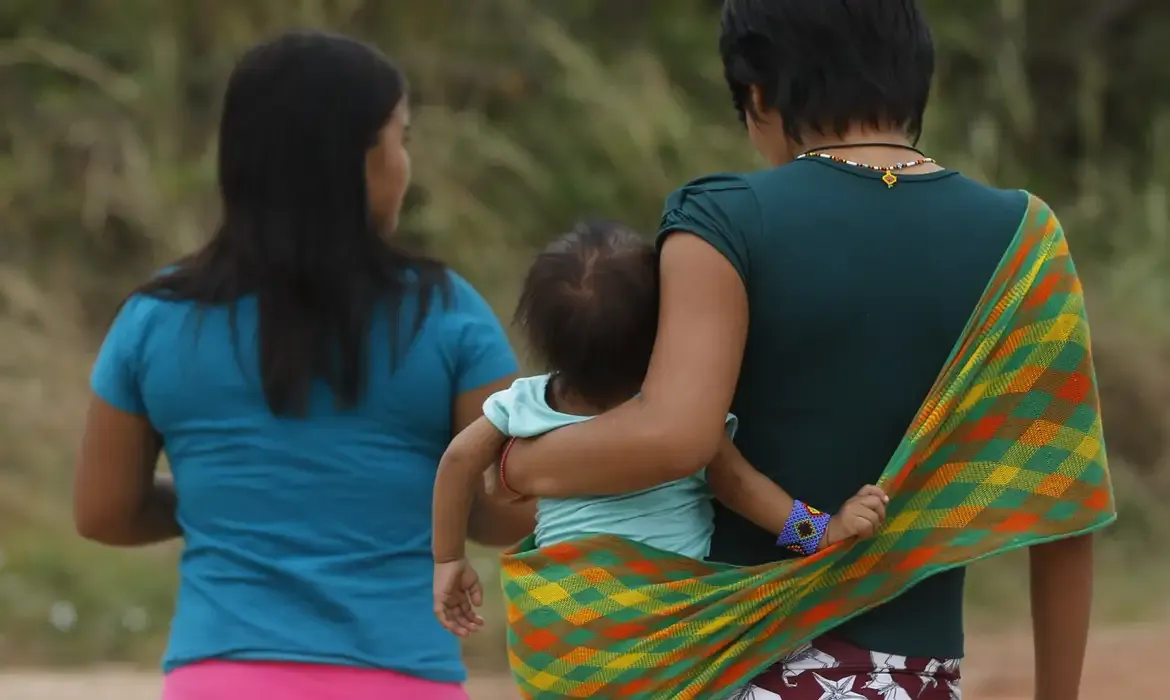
point(881, 147)
point(857, 137)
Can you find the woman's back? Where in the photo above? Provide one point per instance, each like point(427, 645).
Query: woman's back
point(858, 293)
point(303, 374)
point(305, 536)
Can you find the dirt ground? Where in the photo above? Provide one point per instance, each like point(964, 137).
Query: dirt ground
point(1130, 662)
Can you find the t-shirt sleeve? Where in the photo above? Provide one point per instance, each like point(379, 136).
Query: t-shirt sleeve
point(720, 209)
point(117, 371)
point(482, 352)
point(497, 410)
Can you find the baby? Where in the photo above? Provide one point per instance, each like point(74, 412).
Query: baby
point(589, 309)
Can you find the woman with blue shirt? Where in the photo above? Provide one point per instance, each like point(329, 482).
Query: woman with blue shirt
point(304, 375)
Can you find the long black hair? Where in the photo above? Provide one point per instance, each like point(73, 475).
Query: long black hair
point(299, 116)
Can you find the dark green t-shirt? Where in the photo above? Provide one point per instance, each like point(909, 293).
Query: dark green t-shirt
point(857, 293)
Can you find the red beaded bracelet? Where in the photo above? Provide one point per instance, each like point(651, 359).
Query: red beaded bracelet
point(516, 495)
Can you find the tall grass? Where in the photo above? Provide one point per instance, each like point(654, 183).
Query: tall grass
point(108, 173)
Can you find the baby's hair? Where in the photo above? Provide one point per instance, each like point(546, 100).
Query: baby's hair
point(589, 309)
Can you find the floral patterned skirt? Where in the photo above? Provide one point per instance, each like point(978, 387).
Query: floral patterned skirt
point(832, 669)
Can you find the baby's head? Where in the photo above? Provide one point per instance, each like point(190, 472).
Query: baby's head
point(589, 309)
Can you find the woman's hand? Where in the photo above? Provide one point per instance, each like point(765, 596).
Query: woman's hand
point(458, 592)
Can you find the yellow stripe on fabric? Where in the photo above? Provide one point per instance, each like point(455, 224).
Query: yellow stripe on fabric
point(1062, 328)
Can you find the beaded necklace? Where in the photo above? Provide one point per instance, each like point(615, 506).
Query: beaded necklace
point(889, 177)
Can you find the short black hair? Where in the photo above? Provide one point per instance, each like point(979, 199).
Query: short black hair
point(825, 66)
point(589, 309)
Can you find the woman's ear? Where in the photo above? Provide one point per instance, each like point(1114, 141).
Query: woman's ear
point(756, 94)
point(764, 115)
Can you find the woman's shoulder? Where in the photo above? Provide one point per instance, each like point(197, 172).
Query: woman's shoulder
point(730, 195)
point(147, 301)
point(462, 291)
point(449, 297)
point(136, 326)
point(140, 309)
point(722, 209)
point(457, 303)
point(712, 183)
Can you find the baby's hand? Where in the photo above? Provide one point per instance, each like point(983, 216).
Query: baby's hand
point(457, 593)
point(860, 516)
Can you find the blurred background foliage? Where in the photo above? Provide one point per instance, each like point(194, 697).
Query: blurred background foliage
point(528, 115)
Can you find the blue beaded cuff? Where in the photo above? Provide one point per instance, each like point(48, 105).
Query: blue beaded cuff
point(804, 529)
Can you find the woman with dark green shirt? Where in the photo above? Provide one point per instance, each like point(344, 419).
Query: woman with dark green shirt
point(817, 300)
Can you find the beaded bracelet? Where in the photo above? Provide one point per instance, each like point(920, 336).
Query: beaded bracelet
point(804, 529)
point(516, 495)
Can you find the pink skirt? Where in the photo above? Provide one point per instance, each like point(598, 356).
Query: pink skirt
point(254, 680)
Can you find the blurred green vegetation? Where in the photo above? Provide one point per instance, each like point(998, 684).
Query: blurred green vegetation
point(529, 114)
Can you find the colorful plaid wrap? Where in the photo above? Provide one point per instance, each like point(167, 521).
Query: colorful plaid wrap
point(1006, 452)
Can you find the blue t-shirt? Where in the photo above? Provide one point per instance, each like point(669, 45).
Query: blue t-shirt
point(675, 517)
point(306, 539)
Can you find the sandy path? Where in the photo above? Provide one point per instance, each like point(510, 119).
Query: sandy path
point(1132, 662)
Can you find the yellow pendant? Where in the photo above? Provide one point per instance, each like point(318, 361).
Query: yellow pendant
point(890, 178)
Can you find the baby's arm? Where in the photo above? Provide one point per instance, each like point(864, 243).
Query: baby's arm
point(459, 479)
point(737, 485)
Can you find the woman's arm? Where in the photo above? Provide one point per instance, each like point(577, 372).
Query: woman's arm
point(673, 429)
point(1062, 595)
point(459, 485)
point(118, 499)
point(494, 521)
